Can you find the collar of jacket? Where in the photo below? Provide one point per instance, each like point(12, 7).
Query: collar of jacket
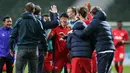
point(5, 28)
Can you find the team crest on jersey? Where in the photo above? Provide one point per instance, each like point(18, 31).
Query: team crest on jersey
point(118, 37)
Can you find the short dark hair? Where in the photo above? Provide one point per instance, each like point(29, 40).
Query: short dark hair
point(37, 9)
point(73, 9)
point(64, 15)
point(119, 21)
point(82, 11)
point(6, 17)
point(30, 6)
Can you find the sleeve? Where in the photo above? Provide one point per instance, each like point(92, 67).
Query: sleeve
point(90, 17)
point(68, 41)
point(115, 41)
point(126, 37)
point(53, 31)
point(52, 34)
point(53, 23)
point(43, 44)
point(14, 34)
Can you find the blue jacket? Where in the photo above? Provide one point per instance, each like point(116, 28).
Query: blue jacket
point(100, 31)
point(79, 47)
point(4, 42)
point(71, 23)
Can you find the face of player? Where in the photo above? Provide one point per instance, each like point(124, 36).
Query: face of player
point(46, 18)
point(8, 22)
point(63, 21)
point(119, 26)
point(70, 13)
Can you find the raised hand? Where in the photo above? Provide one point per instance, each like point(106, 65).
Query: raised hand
point(53, 9)
point(88, 6)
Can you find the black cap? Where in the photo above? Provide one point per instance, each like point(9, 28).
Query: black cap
point(64, 15)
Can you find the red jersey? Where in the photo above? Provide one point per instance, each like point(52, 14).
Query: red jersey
point(120, 35)
point(90, 17)
point(58, 43)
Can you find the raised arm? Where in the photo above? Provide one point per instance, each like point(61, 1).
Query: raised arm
point(54, 16)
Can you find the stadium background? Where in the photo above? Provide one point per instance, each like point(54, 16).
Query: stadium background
point(115, 9)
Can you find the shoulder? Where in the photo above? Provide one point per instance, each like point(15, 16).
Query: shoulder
point(1, 28)
point(79, 25)
point(95, 21)
point(125, 31)
point(19, 20)
point(78, 22)
point(56, 29)
point(115, 29)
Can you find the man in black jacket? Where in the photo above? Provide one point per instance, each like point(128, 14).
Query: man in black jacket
point(29, 32)
point(100, 31)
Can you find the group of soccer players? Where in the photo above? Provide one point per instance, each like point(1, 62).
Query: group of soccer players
point(80, 41)
point(61, 57)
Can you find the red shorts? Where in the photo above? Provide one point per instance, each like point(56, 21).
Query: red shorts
point(94, 62)
point(48, 65)
point(60, 59)
point(118, 56)
point(81, 65)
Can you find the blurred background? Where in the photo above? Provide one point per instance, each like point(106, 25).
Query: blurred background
point(115, 9)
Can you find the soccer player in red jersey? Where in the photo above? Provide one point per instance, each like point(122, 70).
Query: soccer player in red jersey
point(121, 38)
point(59, 45)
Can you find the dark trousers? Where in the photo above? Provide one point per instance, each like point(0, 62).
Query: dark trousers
point(25, 56)
point(8, 62)
point(104, 61)
point(40, 64)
